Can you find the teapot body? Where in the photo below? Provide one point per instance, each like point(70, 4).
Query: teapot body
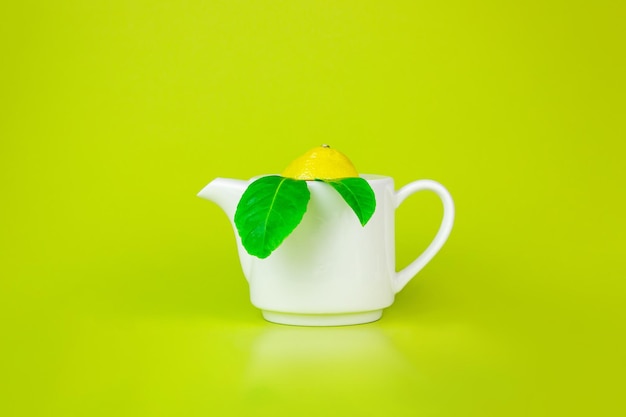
point(330, 270)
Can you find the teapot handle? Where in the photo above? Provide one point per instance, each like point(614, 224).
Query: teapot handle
point(404, 276)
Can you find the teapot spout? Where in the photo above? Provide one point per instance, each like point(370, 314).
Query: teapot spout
point(224, 192)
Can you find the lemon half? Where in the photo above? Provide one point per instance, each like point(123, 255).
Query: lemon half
point(322, 163)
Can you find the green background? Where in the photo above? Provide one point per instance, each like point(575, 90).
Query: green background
point(120, 290)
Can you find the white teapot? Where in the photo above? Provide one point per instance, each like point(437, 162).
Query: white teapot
point(332, 270)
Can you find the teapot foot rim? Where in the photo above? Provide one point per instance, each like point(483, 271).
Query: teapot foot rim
point(322, 320)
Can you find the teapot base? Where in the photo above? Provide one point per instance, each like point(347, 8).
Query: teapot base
point(343, 319)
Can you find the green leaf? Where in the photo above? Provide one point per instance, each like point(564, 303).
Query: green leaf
point(268, 211)
point(358, 194)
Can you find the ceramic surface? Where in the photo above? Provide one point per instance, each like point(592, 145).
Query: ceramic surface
point(331, 270)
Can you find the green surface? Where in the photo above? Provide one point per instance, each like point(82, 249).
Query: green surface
point(120, 291)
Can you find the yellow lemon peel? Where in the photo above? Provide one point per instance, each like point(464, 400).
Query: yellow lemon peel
point(322, 163)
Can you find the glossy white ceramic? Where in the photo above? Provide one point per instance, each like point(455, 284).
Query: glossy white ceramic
point(331, 270)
